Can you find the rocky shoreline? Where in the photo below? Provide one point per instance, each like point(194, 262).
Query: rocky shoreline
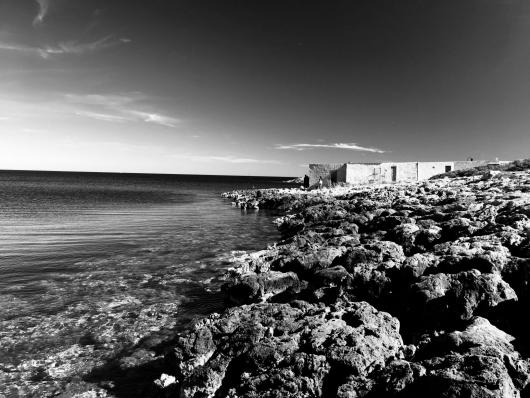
point(401, 290)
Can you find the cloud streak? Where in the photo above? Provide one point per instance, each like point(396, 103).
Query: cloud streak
point(116, 101)
point(119, 108)
point(156, 118)
point(348, 146)
point(44, 6)
point(66, 48)
point(102, 116)
point(76, 48)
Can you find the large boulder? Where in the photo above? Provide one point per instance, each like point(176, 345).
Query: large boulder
point(274, 350)
point(459, 227)
point(484, 253)
point(308, 259)
point(479, 361)
point(441, 298)
point(416, 265)
point(251, 287)
point(331, 277)
point(377, 253)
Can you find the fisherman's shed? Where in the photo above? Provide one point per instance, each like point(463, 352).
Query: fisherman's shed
point(385, 172)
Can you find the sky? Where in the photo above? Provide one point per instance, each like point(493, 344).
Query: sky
point(260, 87)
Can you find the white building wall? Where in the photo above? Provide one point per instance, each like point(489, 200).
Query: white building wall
point(405, 172)
point(358, 173)
point(377, 173)
point(428, 169)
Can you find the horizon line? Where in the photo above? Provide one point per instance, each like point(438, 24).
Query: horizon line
point(140, 173)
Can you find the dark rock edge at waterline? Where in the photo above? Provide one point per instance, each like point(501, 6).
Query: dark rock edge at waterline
point(391, 291)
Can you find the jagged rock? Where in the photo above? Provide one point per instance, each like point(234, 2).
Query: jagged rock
point(333, 276)
point(303, 262)
point(449, 298)
point(289, 226)
point(415, 266)
point(251, 287)
point(371, 284)
point(270, 349)
point(459, 227)
point(302, 375)
point(474, 376)
point(485, 254)
point(405, 235)
point(479, 361)
point(517, 274)
point(395, 378)
point(374, 252)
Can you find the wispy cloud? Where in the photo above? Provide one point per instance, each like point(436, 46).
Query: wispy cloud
point(65, 48)
point(128, 107)
point(44, 6)
point(156, 118)
point(115, 101)
point(19, 48)
point(102, 116)
point(230, 159)
point(75, 47)
point(348, 146)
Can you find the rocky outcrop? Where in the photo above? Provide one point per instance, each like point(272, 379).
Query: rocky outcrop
point(295, 349)
point(383, 291)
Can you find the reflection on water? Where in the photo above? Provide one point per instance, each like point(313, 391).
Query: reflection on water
point(93, 263)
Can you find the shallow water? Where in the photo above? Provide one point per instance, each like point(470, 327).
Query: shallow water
point(93, 263)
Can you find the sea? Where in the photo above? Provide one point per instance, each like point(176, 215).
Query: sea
point(95, 265)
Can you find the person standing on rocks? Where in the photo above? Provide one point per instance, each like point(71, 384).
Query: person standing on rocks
point(320, 182)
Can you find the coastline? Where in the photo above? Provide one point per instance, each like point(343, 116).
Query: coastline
point(399, 290)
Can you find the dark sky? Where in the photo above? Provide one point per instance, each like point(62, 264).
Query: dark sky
point(260, 87)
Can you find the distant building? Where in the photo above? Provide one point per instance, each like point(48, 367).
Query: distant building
point(386, 172)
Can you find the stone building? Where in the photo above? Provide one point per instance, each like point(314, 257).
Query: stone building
point(385, 172)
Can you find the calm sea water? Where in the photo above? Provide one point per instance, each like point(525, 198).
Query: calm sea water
point(92, 263)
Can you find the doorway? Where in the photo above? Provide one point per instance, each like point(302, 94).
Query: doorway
point(394, 173)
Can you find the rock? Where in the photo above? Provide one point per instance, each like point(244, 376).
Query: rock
point(485, 254)
point(289, 225)
point(427, 237)
point(389, 252)
point(448, 298)
point(448, 257)
point(303, 262)
point(405, 235)
point(302, 375)
point(479, 361)
point(416, 265)
point(396, 378)
point(374, 252)
point(165, 381)
point(459, 227)
point(371, 284)
point(251, 287)
point(473, 376)
point(270, 349)
point(330, 277)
